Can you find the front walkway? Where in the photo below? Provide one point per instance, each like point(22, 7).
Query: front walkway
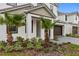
point(67, 39)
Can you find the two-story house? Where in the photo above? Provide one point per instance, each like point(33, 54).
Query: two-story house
point(69, 23)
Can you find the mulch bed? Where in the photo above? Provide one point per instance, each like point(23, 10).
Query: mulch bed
point(32, 52)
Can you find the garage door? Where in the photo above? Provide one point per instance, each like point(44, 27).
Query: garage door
point(74, 30)
point(57, 30)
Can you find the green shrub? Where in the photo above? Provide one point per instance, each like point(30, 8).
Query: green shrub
point(66, 43)
point(2, 45)
point(40, 40)
point(67, 34)
point(34, 40)
point(61, 49)
point(38, 46)
point(55, 47)
point(17, 46)
point(8, 48)
point(37, 43)
point(73, 35)
point(46, 50)
point(30, 45)
point(25, 43)
point(27, 40)
point(20, 39)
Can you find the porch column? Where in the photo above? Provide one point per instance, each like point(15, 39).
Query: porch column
point(52, 33)
point(65, 30)
point(42, 33)
point(28, 23)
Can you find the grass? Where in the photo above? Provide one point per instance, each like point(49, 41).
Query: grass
point(70, 50)
point(14, 54)
point(71, 54)
point(73, 46)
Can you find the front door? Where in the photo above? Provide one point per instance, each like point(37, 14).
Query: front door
point(38, 29)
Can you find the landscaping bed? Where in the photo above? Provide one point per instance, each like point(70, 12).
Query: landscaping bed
point(35, 47)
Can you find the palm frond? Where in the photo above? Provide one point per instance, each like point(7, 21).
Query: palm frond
point(14, 19)
point(1, 20)
point(9, 18)
point(47, 23)
point(19, 19)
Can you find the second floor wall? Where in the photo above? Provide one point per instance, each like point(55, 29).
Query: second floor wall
point(71, 18)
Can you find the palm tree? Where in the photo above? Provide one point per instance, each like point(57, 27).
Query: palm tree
point(47, 24)
point(11, 20)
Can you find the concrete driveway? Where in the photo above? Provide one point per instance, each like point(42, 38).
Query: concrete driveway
point(67, 39)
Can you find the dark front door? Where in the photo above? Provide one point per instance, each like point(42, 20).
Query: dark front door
point(57, 30)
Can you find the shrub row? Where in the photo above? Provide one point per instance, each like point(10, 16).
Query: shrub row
point(20, 44)
point(73, 35)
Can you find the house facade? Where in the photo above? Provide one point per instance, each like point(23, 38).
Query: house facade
point(68, 22)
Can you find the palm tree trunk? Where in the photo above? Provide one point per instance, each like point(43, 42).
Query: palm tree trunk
point(9, 36)
point(46, 38)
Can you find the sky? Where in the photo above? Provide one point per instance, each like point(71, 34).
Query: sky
point(68, 7)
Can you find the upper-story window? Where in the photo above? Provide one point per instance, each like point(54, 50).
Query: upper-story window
point(65, 17)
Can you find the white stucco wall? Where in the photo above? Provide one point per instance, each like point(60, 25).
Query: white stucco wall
point(67, 29)
point(72, 18)
point(61, 17)
point(21, 33)
point(3, 32)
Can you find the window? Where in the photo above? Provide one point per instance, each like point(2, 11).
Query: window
point(13, 29)
point(32, 26)
point(65, 17)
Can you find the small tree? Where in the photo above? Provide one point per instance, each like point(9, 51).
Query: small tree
point(47, 24)
point(11, 20)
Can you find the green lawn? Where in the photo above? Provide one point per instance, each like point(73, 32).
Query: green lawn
point(14, 54)
point(70, 50)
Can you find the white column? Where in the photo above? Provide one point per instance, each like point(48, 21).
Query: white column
point(64, 30)
point(28, 24)
point(52, 33)
point(42, 33)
